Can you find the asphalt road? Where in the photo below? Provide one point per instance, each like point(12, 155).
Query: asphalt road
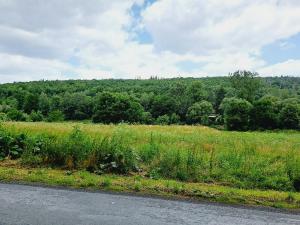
point(27, 205)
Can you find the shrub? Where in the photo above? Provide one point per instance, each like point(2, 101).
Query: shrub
point(113, 155)
point(289, 116)
point(236, 113)
point(146, 118)
point(163, 120)
point(11, 146)
point(174, 118)
point(5, 140)
point(36, 116)
point(293, 169)
point(150, 151)
point(264, 113)
point(266, 160)
point(3, 117)
point(29, 159)
point(199, 112)
point(17, 146)
point(172, 165)
point(16, 115)
point(55, 116)
point(77, 147)
point(116, 108)
point(106, 182)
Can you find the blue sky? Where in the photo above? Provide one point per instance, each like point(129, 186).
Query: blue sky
point(102, 39)
point(282, 50)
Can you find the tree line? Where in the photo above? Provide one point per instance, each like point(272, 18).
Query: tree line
point(241, 101)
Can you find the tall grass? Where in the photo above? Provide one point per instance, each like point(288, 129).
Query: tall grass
point(262, 160)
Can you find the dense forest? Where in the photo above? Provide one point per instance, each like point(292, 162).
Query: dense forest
point(241, 101)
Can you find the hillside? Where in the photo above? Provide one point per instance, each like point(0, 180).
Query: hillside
point(160, 101)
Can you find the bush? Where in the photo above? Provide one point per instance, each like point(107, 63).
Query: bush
point(11, 146)
point(16, 115)
point(264, 113)
point(77, 148)
point(116, 108)
point(236, 113)
point(238, 159)
point(163, 120)
point(36, 116)
point(150, 151)
point(174, 118)
point(289, 116)
point(3, 117)
point(199, 112)
point(146, 118)
point(55, 116)
point(29, 159)
point(5, 140)
point(114, 155)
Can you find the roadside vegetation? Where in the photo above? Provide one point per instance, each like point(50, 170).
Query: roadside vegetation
point(184, 154)
point(140, 185)
point(236, 138)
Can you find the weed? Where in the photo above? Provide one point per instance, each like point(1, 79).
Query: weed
point(290, 197)
point(260, 160)
point(106, 182)
point(137, 186)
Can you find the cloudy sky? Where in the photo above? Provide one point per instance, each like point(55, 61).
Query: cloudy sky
point(80, 39)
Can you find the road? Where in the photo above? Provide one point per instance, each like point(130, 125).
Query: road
point(27, 205)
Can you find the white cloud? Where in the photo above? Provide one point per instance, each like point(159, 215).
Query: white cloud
point(95, 39)
point(20, 68)
point(205, 27)
point(290, 67)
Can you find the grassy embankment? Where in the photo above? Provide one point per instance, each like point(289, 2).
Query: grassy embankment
point(258, 168)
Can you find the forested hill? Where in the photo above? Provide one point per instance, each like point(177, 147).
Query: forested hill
point(279, 86)
point(239, 102)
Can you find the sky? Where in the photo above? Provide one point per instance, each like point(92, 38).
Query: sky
point(101, 39)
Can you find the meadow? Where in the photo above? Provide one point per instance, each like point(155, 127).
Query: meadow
point(248, 160)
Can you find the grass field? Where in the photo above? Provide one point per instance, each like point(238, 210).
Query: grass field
point(258, 168)
point(249, 160)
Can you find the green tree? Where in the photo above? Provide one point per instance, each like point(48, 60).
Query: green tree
point(146, 118)
point(31, 103)
point(12, 103)
point(163, 105)
point(182, 100)
point(220, 94)
point(146, 100)
point(20, 95)
point(264, 113)
point(196, 91)
point(116, 108)
point(236, 113)
point(174, 118)
point(76, 106)
point(44, 104)
point(55, 116)
point(199, 112)
point(36, 116)
point(246, 84)
point(163, 120)
point(16, 115)
point(55, 103)
point(289, 116)
point(3, 117)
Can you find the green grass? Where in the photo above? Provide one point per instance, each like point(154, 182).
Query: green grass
point(246, 160)
point(146, 186)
